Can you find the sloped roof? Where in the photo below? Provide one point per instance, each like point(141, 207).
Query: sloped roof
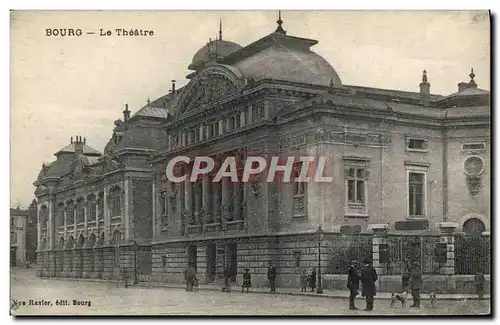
point(87, 150)
point(142, 137)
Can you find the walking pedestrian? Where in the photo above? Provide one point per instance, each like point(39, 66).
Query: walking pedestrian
point(247, 280)
point(479, 282)
point(415, 283)
point(368, 278)
point(353, 283)
point(271, 276)
point(312, 279)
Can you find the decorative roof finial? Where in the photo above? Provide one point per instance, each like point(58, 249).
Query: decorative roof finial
point(424, 77)
point(280, 22)
point(84, 140)
point(71, 139)
point(149, 102)
point(220, 29)
point(472, 75)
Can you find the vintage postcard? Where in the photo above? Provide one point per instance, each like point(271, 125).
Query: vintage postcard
point(250, 163)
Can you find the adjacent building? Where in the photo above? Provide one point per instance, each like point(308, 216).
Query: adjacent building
point(402, 162)
point(18, 229)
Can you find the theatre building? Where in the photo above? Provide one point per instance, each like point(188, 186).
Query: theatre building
point(401, 163)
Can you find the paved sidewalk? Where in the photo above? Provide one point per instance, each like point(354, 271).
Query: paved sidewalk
point(327, 293)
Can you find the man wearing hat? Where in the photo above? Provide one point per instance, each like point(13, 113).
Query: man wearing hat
point(415, 283)
point(353, 283)
point(368, 278)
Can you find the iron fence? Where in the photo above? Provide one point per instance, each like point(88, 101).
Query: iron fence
point(472, 254)
point(342, 249)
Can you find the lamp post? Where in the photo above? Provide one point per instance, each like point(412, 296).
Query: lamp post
point(135, 248)
point(319, 234)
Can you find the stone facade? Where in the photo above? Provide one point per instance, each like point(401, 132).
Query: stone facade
point(393, 156)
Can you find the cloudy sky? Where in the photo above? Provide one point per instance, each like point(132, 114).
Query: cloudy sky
point(62, 87)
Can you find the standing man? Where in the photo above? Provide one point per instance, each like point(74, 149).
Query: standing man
point(368, 278)
point(312, 279)
point(271, 276)
point(415, 283)
point(353, 283)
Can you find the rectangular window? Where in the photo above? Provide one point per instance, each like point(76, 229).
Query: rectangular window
point(356, 185)
point(115, 206)
point(473, 146)
point(356, 176)
point(12, 221)
point(416, 194)
point(237, 121)
point(255, 113)
point(164, 210)
point(210, 130)
point(231, 123)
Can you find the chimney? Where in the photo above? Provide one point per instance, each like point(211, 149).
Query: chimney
point(425, 89)
point(78, 145)
point(126, 114)
point(173, 87)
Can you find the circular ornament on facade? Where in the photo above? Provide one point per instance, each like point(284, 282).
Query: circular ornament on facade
point(474, 166)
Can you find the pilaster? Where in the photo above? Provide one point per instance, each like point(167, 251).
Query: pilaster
point(379, 238)
point(447, 230)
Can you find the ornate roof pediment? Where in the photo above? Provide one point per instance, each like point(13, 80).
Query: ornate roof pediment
point(209, 86)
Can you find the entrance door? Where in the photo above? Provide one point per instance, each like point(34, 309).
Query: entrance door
point(232, 259)
point(211, 266)
point(192, 256)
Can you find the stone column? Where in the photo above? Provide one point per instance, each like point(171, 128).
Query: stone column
point(153, 206)
point(266, 110)
point(216, 203)
point(188, 194)
point(207, 195)
point(202, 132)
point(447, 230)
point(379, 238)
point(197, 201)
point(243, 122)
point(238, 192)
point(222, 125)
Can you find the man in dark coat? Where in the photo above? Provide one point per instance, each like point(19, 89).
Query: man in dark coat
point(271, 276)
point(415, 284)
point(353, 283)
point(368, 278)
point(227, 278)
point(312, 279)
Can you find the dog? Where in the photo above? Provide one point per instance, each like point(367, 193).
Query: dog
point(433, 299)
point(395, 297)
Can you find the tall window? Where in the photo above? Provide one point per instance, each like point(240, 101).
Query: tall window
point(356, 186)
point(356, 174)
point(299, 202)
point(60, 215)
point(70, 213)
point(11, 222)
point(115, 202)
point(100, 206)
point(416, 193)
point(92, 208)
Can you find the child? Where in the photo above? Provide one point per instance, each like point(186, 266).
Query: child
point(247, 280)
point(303, 281)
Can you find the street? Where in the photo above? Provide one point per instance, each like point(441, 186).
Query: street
point(94, 298)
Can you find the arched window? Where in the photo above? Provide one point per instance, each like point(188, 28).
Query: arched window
point(473, 226)
point(70, 213)
point(298, 186)
point(100, 206)
point(80, 210)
